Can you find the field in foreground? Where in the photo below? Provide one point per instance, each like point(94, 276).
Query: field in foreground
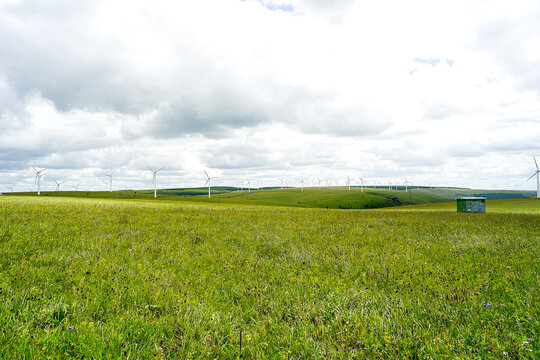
point(115, 278)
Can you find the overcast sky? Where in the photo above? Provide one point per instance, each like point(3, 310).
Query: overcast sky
point(442, 92)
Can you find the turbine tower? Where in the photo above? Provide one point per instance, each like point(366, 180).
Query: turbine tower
point(110, 180)
point(362, 184)
point(348, 183)
point(58, 183)
point(154, 173)
point(281, 179)
point(537, 172)
point(39, 174)
point(302, 183)
point(208, 181)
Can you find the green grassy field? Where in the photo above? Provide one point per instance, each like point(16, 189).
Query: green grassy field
point(329, 198)
point(506, 206)
point(99, 278)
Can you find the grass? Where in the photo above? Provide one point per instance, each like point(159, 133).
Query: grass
point(506, 206)
point(99, 278)
point(329, 198)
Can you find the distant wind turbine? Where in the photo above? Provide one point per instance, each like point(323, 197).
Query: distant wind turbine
point(362, 184)
point(154, 173)
point(406, 184)
point(58, 183)
point(110, 180)
point(76, 187)
point(281, 179)
point(11, 187)
point(302, 183)
point(106, 184)
point(208, 178)
point(348, 183)
point(39, 174)
point(537, 172)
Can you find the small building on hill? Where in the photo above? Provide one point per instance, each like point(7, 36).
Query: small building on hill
point(471, 204)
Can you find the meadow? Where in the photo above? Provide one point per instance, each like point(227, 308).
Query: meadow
point(102, 278)
point(333, 197)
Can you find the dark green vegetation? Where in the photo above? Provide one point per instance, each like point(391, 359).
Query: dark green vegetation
point(330, 198)
point(130, 279)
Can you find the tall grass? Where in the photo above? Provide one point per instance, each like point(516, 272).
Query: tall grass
point(120, 279)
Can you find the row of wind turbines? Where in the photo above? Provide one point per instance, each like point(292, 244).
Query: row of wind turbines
point(302, 182)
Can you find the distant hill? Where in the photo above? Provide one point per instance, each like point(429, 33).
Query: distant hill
point(331, 198)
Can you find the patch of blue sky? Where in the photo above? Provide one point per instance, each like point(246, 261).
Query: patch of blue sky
point(434, 61)
point(275, 7)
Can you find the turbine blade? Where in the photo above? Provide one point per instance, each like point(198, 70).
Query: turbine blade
point(536, 163)
point(533, 175)
point(149, 168)
point(207, 181)
point(208, 176)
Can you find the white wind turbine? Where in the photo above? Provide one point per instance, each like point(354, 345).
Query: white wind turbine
point(281, 179)
point(537, 172)
point(362, 184)
point(106, 184)
point(58, 183)
point(39, 174)
point(110, 180)
point(208, 178)
point(76, 187)
point(348, 183)
point(302, 183)
point(406, 184)
point(154, 173)
point(11, 187)
point(320, 181)
point(248, 182)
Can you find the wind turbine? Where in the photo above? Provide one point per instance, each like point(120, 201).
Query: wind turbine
point(320, 181)
point(348, 183)
point(406, 184)
point(362, 184)
point(302, 183)
point(154, 178)
point(537, 178)
point(110, 181)
point(281, 179)
point(208, 181)
point(106, 184)
point(76, 187)
point(58, 183)
point(39, 174)
point(11, 187)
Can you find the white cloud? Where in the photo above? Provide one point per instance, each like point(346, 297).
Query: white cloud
point(385, 88)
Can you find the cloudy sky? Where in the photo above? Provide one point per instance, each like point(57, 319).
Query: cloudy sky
point(442, 92)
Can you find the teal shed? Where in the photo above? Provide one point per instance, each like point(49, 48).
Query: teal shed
point(471, 204)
